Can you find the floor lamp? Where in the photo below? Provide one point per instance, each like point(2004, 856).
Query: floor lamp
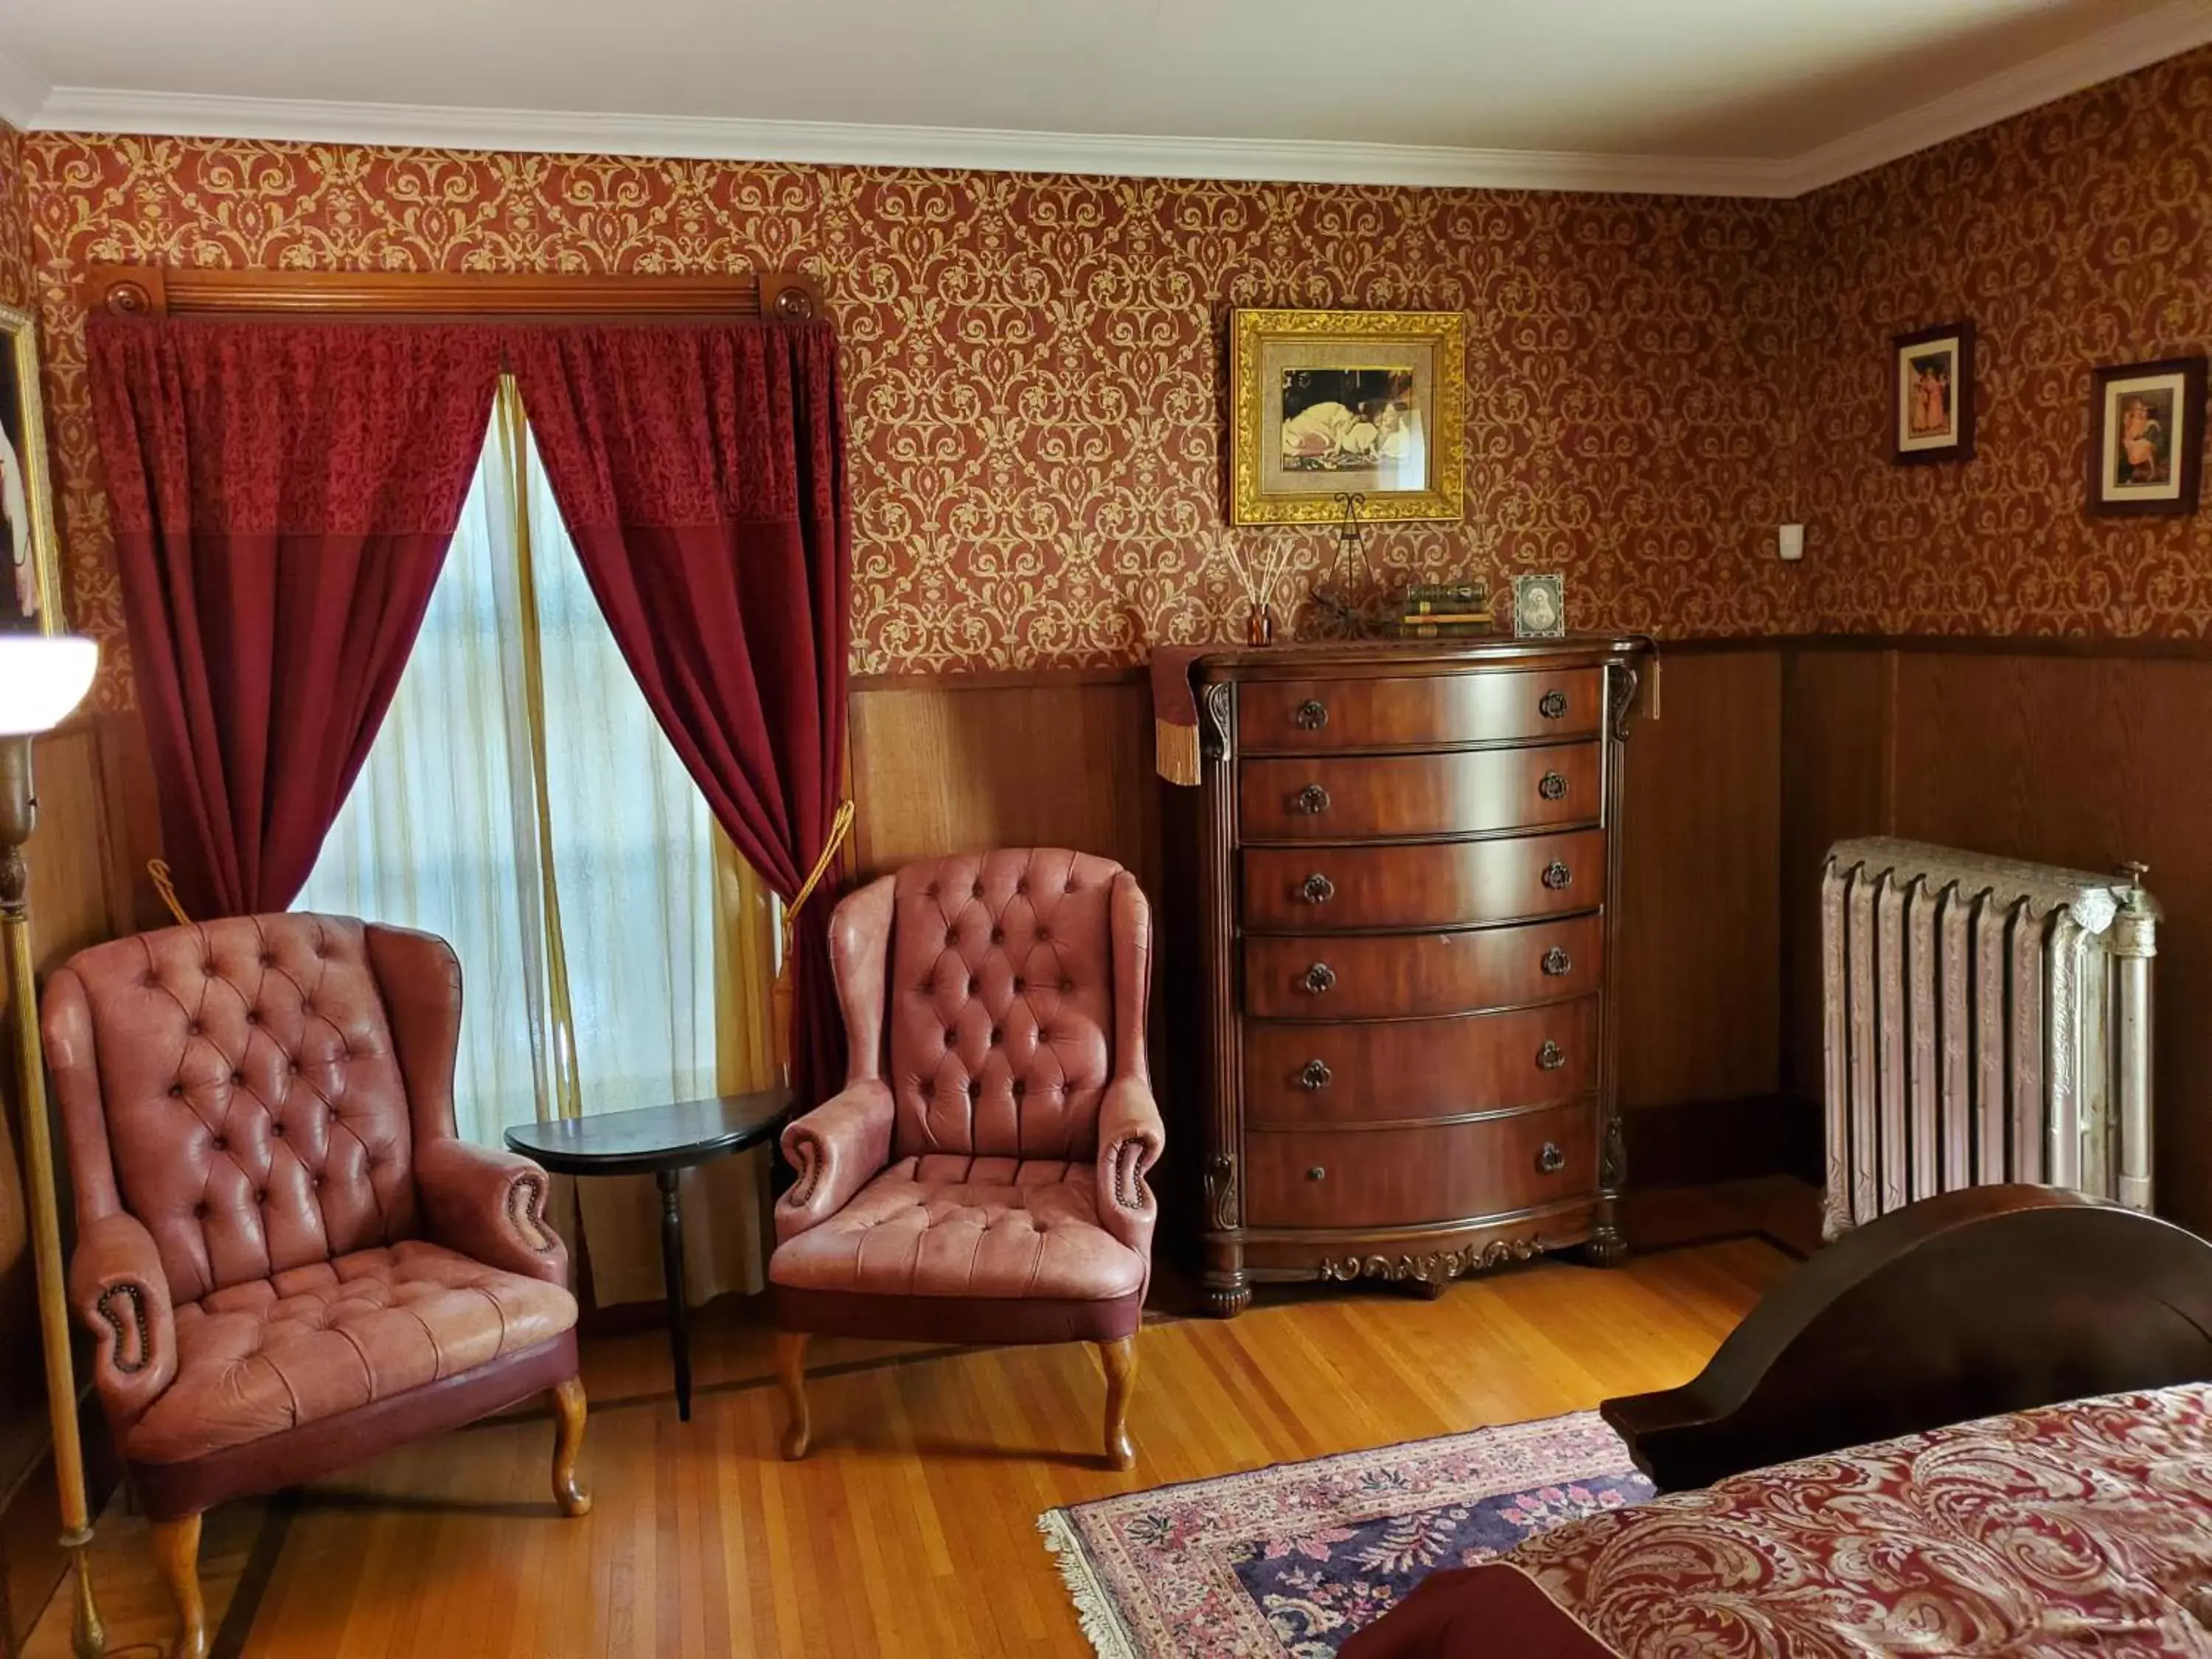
point(42, 677)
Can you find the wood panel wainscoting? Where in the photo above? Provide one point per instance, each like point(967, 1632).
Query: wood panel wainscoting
point(1764, 752)
point(87, 885)
point(956, 763)
point(2075, 752)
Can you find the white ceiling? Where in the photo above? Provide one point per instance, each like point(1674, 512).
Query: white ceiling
point(1737, 96)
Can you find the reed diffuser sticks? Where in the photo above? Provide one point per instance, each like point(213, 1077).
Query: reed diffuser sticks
point(1260, 570)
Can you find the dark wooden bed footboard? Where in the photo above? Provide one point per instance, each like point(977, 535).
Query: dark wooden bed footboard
point(1986, 1300)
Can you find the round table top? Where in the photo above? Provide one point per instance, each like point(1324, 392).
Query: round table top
point(653, 1138)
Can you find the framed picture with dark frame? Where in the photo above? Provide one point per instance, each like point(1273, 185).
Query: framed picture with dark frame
point(30, 562)
point(2147, 438)
point(1932, 395)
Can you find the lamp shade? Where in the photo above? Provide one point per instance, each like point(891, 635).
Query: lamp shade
point(42, 677)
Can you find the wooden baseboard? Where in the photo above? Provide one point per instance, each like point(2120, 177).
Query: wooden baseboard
point(1779, 1208)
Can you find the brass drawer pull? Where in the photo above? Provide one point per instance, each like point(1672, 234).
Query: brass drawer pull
point(1551, 1160)
point(1312, 714)
point(1553, 786)
point(1551, 1056)
point(1316, 1075)
point(1554, 705)
point(1317, 1173)
point(1318, 888)
point(1557, 962)
point(1312, 799)
point(1319, 978)
point(1557, 875)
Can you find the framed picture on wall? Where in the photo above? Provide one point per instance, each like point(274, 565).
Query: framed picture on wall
point(2147, 438)
point(1932, 395)
point(30, 562)
point(1327, 406)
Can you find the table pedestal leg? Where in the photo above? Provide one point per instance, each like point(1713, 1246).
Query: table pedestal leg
point(671, 1269)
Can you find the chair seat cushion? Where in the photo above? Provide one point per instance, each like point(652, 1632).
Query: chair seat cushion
point(946, 1225)
point(258, 1359)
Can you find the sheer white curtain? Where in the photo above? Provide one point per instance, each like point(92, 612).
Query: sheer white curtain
point(522, 802)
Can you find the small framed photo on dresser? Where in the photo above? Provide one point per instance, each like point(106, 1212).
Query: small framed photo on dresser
point(1539, 606)
point(2146, 439)
point(1932, 395)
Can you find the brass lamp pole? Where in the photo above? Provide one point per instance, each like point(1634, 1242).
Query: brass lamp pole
point(42, 677)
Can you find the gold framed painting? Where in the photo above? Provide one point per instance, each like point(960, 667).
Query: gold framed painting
point(1330, 404)
point(30, 560)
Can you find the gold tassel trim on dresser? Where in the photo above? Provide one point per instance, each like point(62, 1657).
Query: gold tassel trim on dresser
point(1399, 873)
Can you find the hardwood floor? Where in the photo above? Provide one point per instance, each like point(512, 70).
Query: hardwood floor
point(911, 1529)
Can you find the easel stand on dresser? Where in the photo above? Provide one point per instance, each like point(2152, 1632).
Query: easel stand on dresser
point(1406, 869)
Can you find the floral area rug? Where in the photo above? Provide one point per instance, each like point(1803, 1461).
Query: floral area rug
point(1287, 1562)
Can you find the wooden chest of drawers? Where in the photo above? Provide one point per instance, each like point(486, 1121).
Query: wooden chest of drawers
point(1405, 873)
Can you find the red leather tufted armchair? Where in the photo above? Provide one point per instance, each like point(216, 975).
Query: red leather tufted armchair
point(981, 1176)
point(288, 1261)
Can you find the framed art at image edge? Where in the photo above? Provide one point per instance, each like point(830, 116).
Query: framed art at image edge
point(30, 561)
point(1932, 374)
point(1327, 403)
point(2155, 411)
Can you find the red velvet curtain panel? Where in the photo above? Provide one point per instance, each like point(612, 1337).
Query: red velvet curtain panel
point(701, 472)
point(282, 499)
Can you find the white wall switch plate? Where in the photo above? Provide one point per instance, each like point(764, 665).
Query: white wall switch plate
point(1792, 541)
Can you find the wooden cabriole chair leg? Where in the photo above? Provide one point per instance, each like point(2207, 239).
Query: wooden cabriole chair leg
point(791, 1372)
point(1120, 1358)
point(569, 1410)
point(177, 1553)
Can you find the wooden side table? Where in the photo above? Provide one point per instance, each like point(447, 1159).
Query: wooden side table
point(664, 1141)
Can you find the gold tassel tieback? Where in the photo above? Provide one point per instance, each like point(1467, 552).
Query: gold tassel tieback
point(158, 869)
point(840, 826)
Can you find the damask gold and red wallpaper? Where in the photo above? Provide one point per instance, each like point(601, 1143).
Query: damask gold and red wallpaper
point(15, 220)
point(1033, 360)
point(1034, 364)
point(2074, 235)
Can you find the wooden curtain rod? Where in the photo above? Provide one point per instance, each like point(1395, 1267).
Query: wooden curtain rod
point(159, 291)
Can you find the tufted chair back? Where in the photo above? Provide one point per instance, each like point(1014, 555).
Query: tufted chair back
point(252, 1089)
point(1016, 993)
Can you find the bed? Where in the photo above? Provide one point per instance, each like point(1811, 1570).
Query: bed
point(1981, 1425)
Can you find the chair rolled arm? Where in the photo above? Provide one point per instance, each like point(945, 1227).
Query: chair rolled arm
point(489, 1205)
point(1130, 1140)
point(121, 1293)
point(836, 1149)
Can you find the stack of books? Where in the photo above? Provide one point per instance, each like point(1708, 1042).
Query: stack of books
point(1443, 610)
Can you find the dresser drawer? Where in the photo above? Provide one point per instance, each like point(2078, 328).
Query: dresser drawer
point(1418, 711)
point(1339, 798)
point(1390, 1071)
point(1438, 884)
point(1385, 977)
point(1438, 1172)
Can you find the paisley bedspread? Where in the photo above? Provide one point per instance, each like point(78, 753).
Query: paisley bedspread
point(2069, 1530)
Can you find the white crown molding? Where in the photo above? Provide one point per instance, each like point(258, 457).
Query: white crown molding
point(89, 109)
point(26, 102)
point(23, 91)
point(2122, 49)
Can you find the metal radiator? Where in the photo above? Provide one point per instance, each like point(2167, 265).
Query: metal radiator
point(1987, 1021)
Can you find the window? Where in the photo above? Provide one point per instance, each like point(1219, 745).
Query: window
point(522, 802)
